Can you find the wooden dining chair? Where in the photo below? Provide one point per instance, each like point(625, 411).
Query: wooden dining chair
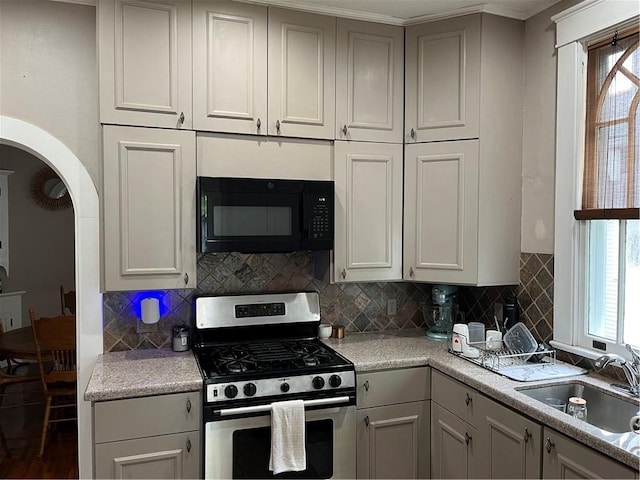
point(67, 301)
point(55, 340)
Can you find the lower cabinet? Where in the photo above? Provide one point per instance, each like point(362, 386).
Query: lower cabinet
point(566, 458)
point(393, 424)
point(474, 437)
point(148, 437)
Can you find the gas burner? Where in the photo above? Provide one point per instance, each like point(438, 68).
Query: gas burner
point(237, 367)
point(305, 348)
point(310, 360)
point(236, 352)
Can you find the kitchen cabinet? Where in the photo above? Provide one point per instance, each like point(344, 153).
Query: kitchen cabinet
point(368, 212)
point(301, 74)
point(11, 310)
point(443, 79)
point(460, 206)
point(565, 458)
point(473, 436)
point(369, 81)
point(149, 208)
point(229, 67)
point(145, 62)
point(393, 424)
point(464, 79)
point(132, 440)
point(4, 220)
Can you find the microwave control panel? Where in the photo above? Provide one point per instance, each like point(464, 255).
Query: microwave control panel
point(321, 220)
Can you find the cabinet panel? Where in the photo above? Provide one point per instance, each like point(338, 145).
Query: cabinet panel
point(393, 386)
point(456, 396)
point(566, 458)
point(453, 448)
point(368, 240)
point(393, 441)
point(511, 443)
point(369, 81)
point(441, 212)
point(11, 310)
point(443, 80)
point(149, 207)
point(161, 457)
point(301, 74)
point(230, 67)
point(145, 62)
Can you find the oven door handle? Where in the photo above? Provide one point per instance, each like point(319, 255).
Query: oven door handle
point(267, 408)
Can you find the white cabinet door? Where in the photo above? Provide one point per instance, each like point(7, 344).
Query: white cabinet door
point(566, 458)
point(443, 80)
point(393, 441)
point(369, 81)
point(149, 208)
point(11, 310)
point(229, 67)
point(368, 212)
point(301, 74)
point(454, 445)
point(145, 62)
point(441, 212)
point(4, 220)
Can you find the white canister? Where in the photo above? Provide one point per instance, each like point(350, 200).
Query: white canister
point(180, 338)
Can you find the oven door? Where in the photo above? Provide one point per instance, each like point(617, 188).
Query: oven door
point(241, 447)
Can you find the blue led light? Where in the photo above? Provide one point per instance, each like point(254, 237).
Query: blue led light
point(136, 303)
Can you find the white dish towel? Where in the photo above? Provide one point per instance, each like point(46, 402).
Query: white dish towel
point(287, 437)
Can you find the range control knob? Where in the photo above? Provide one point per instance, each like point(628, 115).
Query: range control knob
point(231, 391)
point(317, 382)
point(250, 389)
point(335, 381)
point(284, 387)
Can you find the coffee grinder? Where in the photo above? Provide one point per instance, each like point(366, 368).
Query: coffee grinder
point(441, 312)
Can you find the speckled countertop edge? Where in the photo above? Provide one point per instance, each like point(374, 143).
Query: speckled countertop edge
point(141, 373)
point(411, 348)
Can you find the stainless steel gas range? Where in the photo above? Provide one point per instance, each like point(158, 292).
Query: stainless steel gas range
point(254, 350)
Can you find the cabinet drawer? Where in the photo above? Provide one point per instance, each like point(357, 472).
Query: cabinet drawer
point(454, 396)
point(393, 386)
point(146, 416)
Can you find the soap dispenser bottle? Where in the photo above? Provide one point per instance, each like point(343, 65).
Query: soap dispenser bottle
point(510, 310)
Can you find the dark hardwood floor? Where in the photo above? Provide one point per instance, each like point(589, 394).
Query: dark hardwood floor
point(20, 429)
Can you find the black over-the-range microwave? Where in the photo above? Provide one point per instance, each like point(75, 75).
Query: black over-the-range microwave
point(254, 215)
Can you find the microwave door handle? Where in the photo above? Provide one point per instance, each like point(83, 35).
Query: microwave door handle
point(267, 408)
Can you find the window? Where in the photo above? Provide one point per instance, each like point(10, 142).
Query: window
point(597, 258)
point(611, 194)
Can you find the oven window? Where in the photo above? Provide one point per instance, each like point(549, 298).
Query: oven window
point(251, 221)
point(252, 448)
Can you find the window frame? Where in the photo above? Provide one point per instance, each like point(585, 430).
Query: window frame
point(576, 28)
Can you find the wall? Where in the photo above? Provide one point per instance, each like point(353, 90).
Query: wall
point(538, 154)
point(49, 73)
point(41, 242)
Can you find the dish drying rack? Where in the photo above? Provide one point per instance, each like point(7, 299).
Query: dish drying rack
point(515, 363)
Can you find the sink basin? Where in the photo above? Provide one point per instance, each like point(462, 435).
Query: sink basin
point(603, 410)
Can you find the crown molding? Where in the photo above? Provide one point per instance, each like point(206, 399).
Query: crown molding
point(91, 3)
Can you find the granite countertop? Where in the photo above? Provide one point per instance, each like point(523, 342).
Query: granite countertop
point(411, 348)
point(141, 373)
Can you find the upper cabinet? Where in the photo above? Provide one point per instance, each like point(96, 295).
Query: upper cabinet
point(301, 63)
point(149, 208)
point(443, 79)
point(369, 81)
point(462, 198)
point(229, 67)
point(145, 62)
point(368, 211)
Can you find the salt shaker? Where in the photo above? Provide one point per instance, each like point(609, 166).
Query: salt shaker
point(577, 408)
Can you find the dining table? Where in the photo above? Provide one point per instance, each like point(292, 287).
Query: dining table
point(18, 343)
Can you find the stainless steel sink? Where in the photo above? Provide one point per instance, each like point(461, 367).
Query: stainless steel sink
point(603, 410)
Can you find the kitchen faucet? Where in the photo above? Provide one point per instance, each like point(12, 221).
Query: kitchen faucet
point(631, 368)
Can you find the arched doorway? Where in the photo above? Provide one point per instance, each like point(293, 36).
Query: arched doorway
point(54, 153)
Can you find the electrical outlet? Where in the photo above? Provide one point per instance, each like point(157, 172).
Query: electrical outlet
point(391, 307)
point(142, 327)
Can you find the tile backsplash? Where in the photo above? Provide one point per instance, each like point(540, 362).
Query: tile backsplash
point(360, 307)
